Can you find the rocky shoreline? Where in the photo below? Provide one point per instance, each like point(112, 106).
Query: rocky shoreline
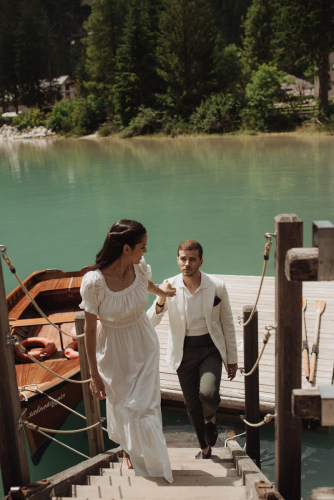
point(8, 132)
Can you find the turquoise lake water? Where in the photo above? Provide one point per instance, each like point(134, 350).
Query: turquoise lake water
point(59, 198)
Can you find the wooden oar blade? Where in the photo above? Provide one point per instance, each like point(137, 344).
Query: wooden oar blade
point(320, 306)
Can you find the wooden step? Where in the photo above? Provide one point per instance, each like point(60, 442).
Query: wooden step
point(109, 475)
point(199, 488)
point(190, 453)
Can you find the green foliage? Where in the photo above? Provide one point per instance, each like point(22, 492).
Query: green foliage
point(136, 80)
point(108, 128)
point(8, 22)
point(60, 119)
point(258, 33)
point(186, 48)
point(147, 121)
point(217, 114)
point(34, 118)
point(231, 71)
point(263, 91)
point(232, 14)
point(104, 26)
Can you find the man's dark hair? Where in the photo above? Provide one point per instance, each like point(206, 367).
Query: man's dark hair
point(191, 245)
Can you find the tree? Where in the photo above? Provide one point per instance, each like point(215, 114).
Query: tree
point(35, 55)
point(304, 37)
point(232, 14)
point(136, 80)
point(186, 47)
point(104, 27)
point(8, 79)
point(258, 33)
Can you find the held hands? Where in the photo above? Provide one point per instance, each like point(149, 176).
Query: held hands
point(168, 290)
point(232, 371)
point(97, 387)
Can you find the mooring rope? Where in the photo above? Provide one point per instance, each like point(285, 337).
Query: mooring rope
point(34, 427)
point(265, 342)
point(38, 391)
point(267, 247)
point(13, 271)
point(63, 444)
point(16, 343)
point(265, 421)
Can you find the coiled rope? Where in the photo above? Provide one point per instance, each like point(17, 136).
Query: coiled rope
point(13, 271)
point(266, 253)
point(265, 342)
point(265, 421)
point(16, 343)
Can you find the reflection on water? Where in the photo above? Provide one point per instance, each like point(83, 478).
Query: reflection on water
point(59, 197)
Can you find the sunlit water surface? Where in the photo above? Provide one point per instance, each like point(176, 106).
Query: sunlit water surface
point(59, 197)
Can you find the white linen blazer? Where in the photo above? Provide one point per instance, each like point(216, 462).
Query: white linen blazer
point(219, 320)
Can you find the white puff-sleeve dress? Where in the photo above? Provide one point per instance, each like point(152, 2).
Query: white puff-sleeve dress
point(127, 351)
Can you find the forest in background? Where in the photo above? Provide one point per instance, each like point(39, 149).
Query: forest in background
point(142, 66)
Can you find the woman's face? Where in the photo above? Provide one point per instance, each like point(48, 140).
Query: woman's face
point(138, 251)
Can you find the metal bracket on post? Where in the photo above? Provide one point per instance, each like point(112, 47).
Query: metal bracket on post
point(9, 339)
point(19, 423)
point(323, 238)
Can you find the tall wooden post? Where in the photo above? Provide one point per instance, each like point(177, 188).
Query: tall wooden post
point(288, 347)
point(252, 403)
point(92, 404)
point(13, 454)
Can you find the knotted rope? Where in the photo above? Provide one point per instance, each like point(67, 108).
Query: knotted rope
point(266, 253)
point(265, 342)
point(13, 271)
point(265, 421)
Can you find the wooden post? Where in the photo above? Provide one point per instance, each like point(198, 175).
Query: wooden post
point(252, 403)
point(288, 347)
point(92, 404)
point(13, 454)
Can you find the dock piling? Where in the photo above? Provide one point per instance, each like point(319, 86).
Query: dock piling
point(288, 314)
point(92, 404)
point(13, 454)
point(252, 403)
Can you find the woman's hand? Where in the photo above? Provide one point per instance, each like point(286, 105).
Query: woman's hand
point(168, 290)
point(97, 387)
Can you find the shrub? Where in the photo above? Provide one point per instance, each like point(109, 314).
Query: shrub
point(61, 119)
point(147, 121)
point(34, 118)
point(217, 114)
point(88, 114)
point(108, 128)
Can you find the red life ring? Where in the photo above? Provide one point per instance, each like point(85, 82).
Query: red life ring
point(71, 351)
point(48, 349)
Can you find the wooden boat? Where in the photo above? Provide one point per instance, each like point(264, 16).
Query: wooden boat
point(58, 295)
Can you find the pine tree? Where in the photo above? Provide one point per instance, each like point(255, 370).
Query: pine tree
point(258, 33)
point(304, 37)
point(35, 54)
point(104, 27)
point(233, 13)
point(8, 80)
point(136, 81)
point(186, 48)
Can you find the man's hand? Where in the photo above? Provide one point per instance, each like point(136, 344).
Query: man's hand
point(232, 371)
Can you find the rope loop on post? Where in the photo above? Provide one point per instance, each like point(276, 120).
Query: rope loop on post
point(3, 250)
point(267, 247)
point(34, 427)
point(265, 342)
point(265, 420)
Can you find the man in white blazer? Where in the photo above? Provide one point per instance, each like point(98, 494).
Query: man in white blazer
point(201, 338)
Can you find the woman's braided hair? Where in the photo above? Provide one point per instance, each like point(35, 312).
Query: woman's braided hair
point(123, 232)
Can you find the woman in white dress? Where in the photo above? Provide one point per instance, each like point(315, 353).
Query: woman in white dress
point(123, 348)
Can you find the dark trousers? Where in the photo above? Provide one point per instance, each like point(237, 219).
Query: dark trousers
point(199, 375)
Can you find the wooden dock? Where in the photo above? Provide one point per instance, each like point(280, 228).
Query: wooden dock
point(242, 291)
point(230, 473)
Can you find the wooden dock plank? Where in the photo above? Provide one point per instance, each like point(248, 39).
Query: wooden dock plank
point(242, 291)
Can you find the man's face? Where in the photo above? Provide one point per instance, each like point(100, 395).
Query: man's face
point(189, 262)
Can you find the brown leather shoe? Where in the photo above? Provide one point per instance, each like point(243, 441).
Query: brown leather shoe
point(201, 455)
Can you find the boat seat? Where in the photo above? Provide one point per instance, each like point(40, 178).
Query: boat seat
point(68, 318)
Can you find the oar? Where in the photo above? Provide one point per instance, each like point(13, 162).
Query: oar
point(305, 345)
point(319, 307)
